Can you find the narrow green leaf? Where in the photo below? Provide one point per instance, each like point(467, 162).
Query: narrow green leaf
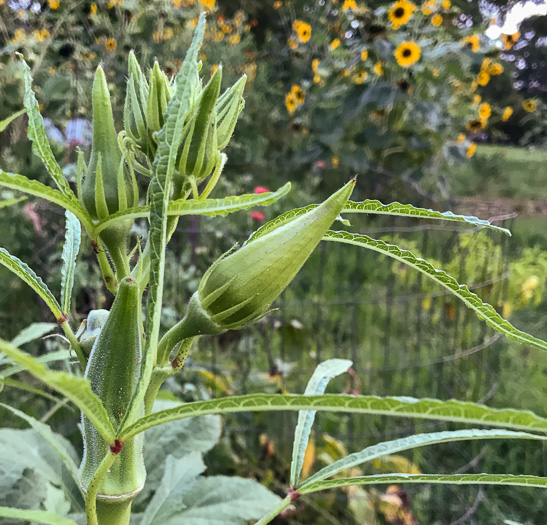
point(32, 332)
point(316, 386)
point(24, 272)
point(484, 311)
point(73, 235)
point(407, 210)
point(59, 355)
point(209, 207)
point(458, 411)
point(10, 202)
point(411, 442)
point(37, 134)
point(7, 121)
point(35, 516)
point(169, 139)
point(52, 440)
point(13, 383)
point(36, 188)
point(445, 479)
point(76, 389)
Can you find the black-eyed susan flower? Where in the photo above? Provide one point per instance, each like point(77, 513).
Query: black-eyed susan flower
point(315, 65)
point(364, 54)
point(303, 30)
point(436, 20)
point(495, 69)
point(334, 44)
point(400, 13)
point(485, 110)
point(427, 7)
point(290, 103)
point(510, 40)
point(507, 112)
point(299, 94)
point(54, 4)
point(407, 53)
point(349, 4)
point(93, 8)
point(209, 4)
point(471, 149)
point(483, 78)
point(446, 4)
point(359, 77)
point(529, 105)
point(472, 42)
point(110, 44)
point(379, 69)
point(475, 125)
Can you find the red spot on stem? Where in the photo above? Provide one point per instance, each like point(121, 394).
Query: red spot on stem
point(293, 494)
point(116, 448)
point(62, 319)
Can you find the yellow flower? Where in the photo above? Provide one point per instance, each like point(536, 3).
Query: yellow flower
point(472, 42)
point(400, 12)
point(447, 4)
point(277, 4)
point(299, 95)
point(316, 79)
point(495, 69)
point(476, 100)
point(41, 35)
point(529, 105)
point(234, 39)
point(209, 4)
point(334, 44)
point(507, 112)
point(88, 55)
point(110, 44)
point(346, 73)
point(436, 20)
point(483, 78)
point(407, 53)
point(476, 125)
point(93, 8)
point(359, 77)
point(364, 55)
point(303, 30)
point(290, 102)
point(111, 4)
point(379, 69)
point(292, 43)
point(349, 4)
point(485, 110)
point(53, 4)
point(18, 36)
point(335, 161)
point(315, 65)
point(471, 150)
point(461, 138)
point(510, 40)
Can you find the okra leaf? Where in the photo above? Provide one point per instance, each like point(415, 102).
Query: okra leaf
point(7, 121)
point(10, 202)
point(37, 134)
point(169, 139)
point(13, 383)
point(32, 332)
point(59, 355)
point(18, 182)
point(407, 210)
point(76, 389)
point(321, 376)
point(445, 479)
point(24, 272)
point(52, 440)
point(457, 411)
point(411, 442)
point(483, 311)
point(209, 207)
point(35, 516)
point(73, 235)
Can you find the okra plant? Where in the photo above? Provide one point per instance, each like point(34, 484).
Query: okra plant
point(173, 137)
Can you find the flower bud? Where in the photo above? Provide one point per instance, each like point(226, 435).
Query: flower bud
point(93, 326)
point(158, 97)
point(238, 288)
point(199, 152)
point(228, 108)
point(107, 187)
point(134, 111)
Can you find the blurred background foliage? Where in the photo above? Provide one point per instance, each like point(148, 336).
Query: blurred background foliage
point(417, 100)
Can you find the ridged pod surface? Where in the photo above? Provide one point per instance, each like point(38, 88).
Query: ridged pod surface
point(113, 370)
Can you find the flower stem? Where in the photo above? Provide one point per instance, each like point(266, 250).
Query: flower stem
point(283, 504)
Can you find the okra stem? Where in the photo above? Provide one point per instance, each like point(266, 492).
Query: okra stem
point(91, 494)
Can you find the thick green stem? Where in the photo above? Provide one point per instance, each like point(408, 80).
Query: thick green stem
point(159, 375)
point(283, 504)
point(112, 512)
point(106, 269)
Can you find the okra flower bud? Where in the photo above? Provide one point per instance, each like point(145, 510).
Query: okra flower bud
point(134, 111)
point(228, 108)
point(92, 329)
point(199, 150)
point(158, 97)
point(238, 289)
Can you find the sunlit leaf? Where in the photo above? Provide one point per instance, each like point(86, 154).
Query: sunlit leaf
point(7, 121)
point(35, 516)
point(71, 248)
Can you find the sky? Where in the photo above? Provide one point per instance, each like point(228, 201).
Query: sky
point(515, 16)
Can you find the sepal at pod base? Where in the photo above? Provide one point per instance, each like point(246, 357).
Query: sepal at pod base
point(113, 369)
point(134, 109)
point(238, 288)
point(108, 186)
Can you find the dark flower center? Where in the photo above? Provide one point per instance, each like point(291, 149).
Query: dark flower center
point(399, 12)
point(407, 52)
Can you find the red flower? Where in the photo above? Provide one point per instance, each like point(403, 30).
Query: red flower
point(261, 189)
point(257, 216)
